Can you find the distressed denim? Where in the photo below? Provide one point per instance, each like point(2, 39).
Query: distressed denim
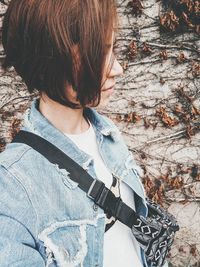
point(45, 218)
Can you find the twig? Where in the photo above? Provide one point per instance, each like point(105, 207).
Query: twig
point(171, 136)
point(165, 137)
point(11, 100)
point(144, 62)
point(174, 47)
point(189, 199)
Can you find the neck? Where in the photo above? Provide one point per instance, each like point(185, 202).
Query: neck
point(65, 119)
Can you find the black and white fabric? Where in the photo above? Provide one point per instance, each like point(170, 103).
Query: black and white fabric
point(155, 233)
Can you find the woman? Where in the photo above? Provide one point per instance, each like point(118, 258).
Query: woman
point(64, 50)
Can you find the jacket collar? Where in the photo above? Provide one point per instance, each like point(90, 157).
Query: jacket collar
point(102, 124)
point(35, 122)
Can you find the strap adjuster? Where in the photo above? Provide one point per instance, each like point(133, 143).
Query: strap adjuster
point(105, 198)
point(95, 189)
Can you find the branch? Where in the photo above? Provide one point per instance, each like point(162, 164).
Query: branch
point(172, 46)
point(176, 135)
point(11, 100)
point(189, 199)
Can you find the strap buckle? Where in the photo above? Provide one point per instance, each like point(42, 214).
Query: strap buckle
point(105, 198)
point(95, 190)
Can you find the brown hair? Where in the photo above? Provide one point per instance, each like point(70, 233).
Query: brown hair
point(39, 38)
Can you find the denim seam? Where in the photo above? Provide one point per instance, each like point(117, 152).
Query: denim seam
point(11, 175)
point(17, 160)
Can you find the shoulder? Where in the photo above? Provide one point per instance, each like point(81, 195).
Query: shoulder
point(16, 207)
point(12, 190)
point(13, 153)
point(10, 162)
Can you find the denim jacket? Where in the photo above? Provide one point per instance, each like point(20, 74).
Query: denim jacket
point(45, 218)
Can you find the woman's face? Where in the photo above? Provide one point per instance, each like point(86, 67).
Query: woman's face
point(112, 69)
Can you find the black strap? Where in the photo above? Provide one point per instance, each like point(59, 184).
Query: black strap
point(95, 189)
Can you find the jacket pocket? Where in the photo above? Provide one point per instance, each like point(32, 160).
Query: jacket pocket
point(65, 243)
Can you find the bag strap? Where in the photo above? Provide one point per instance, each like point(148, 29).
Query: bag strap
point(94, 188)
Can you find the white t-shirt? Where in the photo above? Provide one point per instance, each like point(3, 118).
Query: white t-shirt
point(120, 246)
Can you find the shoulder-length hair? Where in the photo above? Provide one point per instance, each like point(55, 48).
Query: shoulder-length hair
point(39, 39)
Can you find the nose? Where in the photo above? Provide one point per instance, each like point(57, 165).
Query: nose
point(116, 69)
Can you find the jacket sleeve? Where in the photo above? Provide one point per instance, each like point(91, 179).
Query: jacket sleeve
point(17, 222)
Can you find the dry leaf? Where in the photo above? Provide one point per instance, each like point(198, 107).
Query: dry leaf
point(169, 20)
point(15, 127)
point(195, 69)
point(136, 6)
point(176, 182)
point(2, 144)
point(195, 111)
point(166, 118)
point(162, 81)
point(181, 58)
point(132, 50)
point(193, 250)
point(132, 117)
point(163, 54)
point(190, 131)
point(181, 15)
point(148, 123)
point(146, 48)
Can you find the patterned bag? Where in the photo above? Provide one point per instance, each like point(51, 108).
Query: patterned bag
point(155, 233)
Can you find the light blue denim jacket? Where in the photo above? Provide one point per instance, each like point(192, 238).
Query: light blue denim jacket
point(45, 218)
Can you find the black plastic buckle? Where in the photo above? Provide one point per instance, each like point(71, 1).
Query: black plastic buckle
point(101, 199)
point(105, 198)
point(95, 190)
